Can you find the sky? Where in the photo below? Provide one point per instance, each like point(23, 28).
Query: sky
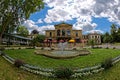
point(90, 16)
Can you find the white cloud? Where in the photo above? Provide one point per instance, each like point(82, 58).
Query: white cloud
point(39, 21)
point(43, 28)
point(30, 25)
point(82, 10)
point(95, 31)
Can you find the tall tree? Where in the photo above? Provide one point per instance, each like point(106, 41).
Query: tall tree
point(114, 32)
point(107, 38)
point(22, 31)
point(38, 39)
point(14, 12)
point(91, 42)
point(118, 35)
point(35, 31)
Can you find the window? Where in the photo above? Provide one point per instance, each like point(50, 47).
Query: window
point(76, 34)
point(63, 32)
point(68, 32)
point(50, 34)
point(58, 32)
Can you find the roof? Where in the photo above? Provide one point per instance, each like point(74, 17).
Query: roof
point(94, 34)
point(17, 36)
point(21, 37)
point(63, 23)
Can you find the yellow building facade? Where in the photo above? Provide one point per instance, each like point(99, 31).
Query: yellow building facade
point(63, 31)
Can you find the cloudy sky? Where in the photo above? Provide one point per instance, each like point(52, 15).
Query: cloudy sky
point(88, 15)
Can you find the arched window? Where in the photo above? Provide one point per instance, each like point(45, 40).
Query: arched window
point(50, 34)
point(58, 32)
point(68, 32)
point(63, 32)
point(76, 34)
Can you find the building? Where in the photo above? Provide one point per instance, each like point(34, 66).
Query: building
point(15, 39)
point(65, 32)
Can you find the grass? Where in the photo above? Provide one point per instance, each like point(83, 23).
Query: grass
point(97, 56)
point(116, 44)
point(9, 72)
point(111, 74)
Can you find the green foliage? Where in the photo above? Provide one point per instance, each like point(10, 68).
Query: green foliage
point(63, 73)
point(35, 32)
point(18, 63)
point(2, 53)
point(37, 40)
point(107, 63)
point(97, 56)
point(22, 31)
point(115, 33)
point(15, 11)
point(107, 38)
point(91, 42)
point(2, 48)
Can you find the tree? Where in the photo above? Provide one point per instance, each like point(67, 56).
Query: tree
point(91, 42)
point(118, 35)
point(22, 31)
point(114, 32)
point(14, 12)
point(35, 32)
point(38, 39)
point(107, 38)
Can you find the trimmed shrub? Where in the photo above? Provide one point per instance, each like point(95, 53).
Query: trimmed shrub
point(107, 47)
point(74, 49)
point(42, 48)
point(1, 53)
point(2, 48)
point(52, 49)
point(114, 47)
point(19, 48)
point(107, 63)
point(63, 73)
point(18, 63)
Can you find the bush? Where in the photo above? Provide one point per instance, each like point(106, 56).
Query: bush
point(19, 48)
point(2, 48)
point(114, 47)
point(42, 48)
point(107, 63)
point(107, 47)
point(52, 49)
point(74, 49)
point(63, 73)
point(1, 53)
point(18, 63)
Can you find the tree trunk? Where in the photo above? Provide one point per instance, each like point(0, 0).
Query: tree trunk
point(4, 25)
point(0, 39)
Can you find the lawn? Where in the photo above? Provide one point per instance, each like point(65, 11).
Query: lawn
point(9, 72)
point(96, 57)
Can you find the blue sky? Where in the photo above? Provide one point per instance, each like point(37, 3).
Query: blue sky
point(89, 15)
